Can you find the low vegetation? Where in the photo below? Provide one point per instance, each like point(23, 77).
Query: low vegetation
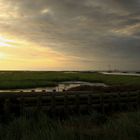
point(30, 79)
point(94, 127)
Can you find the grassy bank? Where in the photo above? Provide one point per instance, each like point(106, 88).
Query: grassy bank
point(28, 79)
point(94, 127)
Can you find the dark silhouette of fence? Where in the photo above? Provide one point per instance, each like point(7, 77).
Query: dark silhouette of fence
point(67, 102)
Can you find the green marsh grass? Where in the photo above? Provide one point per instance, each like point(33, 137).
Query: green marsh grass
point(32, 79)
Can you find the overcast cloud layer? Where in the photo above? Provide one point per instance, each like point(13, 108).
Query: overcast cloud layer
point(97, 33)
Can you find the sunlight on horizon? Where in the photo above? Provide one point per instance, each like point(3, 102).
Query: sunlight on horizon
point(18, 53)
point(4, 42)
point(2, 56)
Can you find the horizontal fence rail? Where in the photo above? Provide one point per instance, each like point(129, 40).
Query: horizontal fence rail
point(68, 101)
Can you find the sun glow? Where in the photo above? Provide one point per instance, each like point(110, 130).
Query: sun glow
point(18, 53)
point(2, 56)
point(5, 42)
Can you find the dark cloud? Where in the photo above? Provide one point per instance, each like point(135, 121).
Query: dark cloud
point(132, 5)
point(102, 29)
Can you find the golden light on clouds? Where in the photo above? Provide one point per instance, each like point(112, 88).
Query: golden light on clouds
point(128, 30)
point(4, 42)
point(44, 11)
point(21, 54)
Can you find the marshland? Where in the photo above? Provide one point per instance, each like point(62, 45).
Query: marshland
point(95, 106)
point(32, 79)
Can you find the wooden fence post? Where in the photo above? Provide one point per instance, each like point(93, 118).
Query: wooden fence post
point(89, 103)
point(111, 103)
point(53, 102)
point(66, 103)
point(77, 104)
point(102, 103)
point(21, 101)
point(130, 104)
point(43, 91)
point(119, 101)
point(39, 102)
point(138, 100)
point(7, 106)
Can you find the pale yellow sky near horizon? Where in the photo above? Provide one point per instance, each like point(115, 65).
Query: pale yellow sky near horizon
point(18, 54)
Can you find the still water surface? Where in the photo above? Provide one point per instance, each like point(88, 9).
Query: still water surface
point(121, 73)
point(61, 86)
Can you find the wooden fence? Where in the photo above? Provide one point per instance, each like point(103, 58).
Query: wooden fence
point(69, 102)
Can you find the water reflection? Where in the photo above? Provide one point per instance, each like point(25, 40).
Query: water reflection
point(121, 73)
point(61, 87)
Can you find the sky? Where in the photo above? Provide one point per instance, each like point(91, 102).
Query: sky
point(69, 34)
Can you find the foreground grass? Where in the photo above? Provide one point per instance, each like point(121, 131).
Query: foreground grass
point(28, 79)
point(124, 126)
